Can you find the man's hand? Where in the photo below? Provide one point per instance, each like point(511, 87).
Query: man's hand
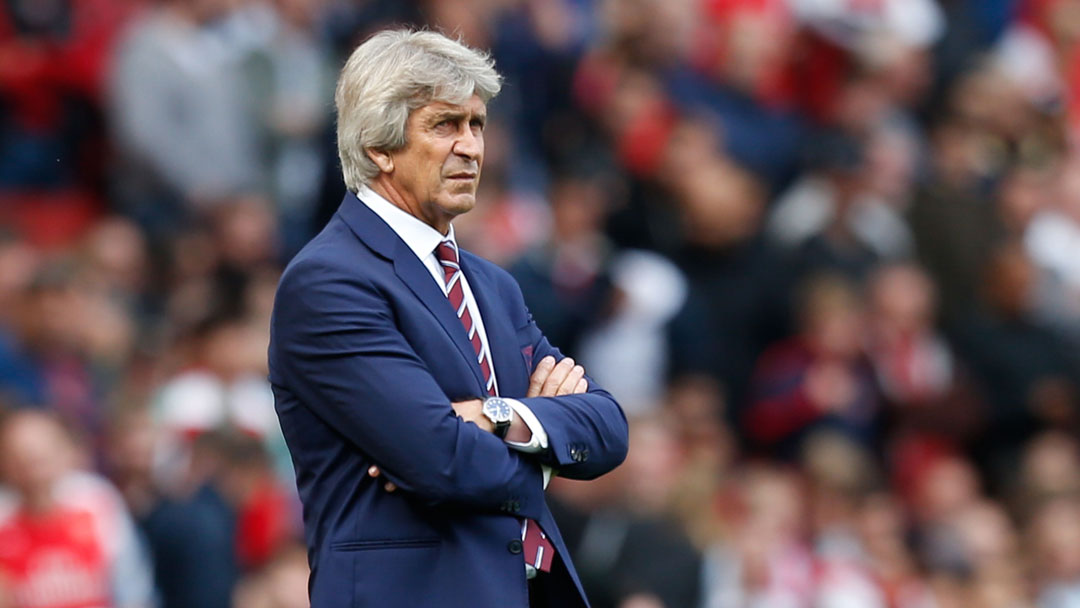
point(473, 411)
point(552, 380)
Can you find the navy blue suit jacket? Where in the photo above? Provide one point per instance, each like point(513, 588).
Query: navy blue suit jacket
point(366, 355)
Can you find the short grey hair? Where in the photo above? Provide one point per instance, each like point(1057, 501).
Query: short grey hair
point(393, 73)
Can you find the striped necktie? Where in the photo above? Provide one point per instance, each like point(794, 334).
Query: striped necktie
point(447, 254)
point(536, 548)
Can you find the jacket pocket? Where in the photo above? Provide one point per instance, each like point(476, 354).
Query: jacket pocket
point(526, 347)
point(386, 543)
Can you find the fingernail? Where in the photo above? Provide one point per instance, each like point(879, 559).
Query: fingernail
point(372, 471)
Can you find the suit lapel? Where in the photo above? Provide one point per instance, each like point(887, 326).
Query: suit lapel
point(501, 337)
point(373, 231)
point(418, 279)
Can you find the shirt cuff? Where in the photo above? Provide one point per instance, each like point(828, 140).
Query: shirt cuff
point(539, 441)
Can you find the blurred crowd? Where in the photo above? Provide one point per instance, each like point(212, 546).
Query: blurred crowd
point(826, 253)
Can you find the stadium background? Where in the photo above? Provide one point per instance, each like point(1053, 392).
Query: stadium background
point(826, 252)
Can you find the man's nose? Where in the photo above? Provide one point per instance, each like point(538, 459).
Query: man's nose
point(469, 144)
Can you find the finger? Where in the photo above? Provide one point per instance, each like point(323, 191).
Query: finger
point(390, 487)
point(582, 387)
point(575, 375)
point(373, 471)
point(539, 375)
point(555, 379)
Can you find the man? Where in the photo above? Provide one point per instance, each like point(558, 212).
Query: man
point(396, 355)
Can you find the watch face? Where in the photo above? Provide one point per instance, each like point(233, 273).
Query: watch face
point(498, 410)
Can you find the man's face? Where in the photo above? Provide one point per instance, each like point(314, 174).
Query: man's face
point(438, 170)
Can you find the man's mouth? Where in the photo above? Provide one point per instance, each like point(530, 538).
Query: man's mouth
point(462, 176)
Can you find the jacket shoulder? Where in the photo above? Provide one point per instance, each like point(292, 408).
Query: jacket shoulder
point(335, 251)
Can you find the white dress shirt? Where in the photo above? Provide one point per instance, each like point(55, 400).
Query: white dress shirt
point(422, 239)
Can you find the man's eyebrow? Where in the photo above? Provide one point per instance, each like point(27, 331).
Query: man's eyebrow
point(455, 115)
point(441, 115)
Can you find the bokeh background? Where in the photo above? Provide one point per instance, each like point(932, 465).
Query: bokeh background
point(826, 253)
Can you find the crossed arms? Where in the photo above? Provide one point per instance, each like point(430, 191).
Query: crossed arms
point(549, 379)
point(336, 348)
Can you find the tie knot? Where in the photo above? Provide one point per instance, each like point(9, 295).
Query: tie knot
point(446, 252)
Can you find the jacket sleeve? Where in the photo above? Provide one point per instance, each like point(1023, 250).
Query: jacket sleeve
point(587, 434)
point(334, 345)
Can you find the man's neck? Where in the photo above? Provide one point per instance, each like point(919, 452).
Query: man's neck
point(385, 188)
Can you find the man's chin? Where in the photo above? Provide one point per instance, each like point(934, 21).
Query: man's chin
point(457, 204)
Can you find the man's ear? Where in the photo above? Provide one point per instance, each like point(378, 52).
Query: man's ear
point(382, 159)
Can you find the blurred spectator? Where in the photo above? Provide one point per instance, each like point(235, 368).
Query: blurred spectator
point(191, 530)
point(989, 542)
point(820, 378)
point(63, 338)
point(221, 386)
point(913, 363)
point(566, 282)
point(738, 283)
point(886, 571)
point(537, 45)
point(840, 474)
point(954, 226)
point(180, 115)
point(1055, 536)
point(891, 36)
point(54, 59)
point(736, 75)
point(764, 560)
point(610, 307)
point(66, 538)
point(917, 373)
point(19, 261)
point(697, 409)
point(627, 353)
point(831, 219)
point(626, 547)
point(292, 84)
point(1027, 373)
point(1051, 239)
point(1050, 468)
point(265, 516)
point(1023, 193)
point(220, 513)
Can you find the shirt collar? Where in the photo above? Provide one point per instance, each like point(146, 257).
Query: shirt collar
point(421, 238)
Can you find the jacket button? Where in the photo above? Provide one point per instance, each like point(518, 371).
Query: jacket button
point(514, 546)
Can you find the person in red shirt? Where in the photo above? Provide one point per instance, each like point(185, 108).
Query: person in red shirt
point(65, 539)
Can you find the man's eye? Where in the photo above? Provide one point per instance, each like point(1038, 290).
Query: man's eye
point(477, 124)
